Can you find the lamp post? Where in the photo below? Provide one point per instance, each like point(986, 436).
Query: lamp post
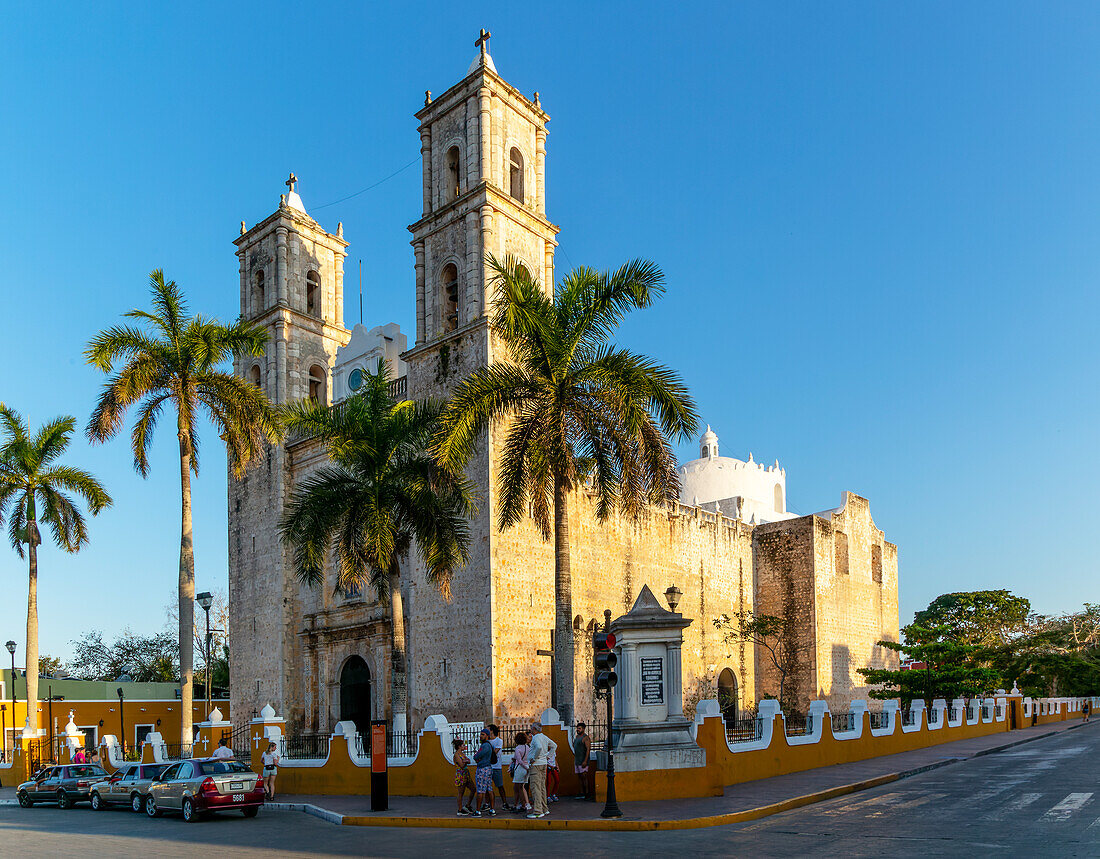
point(11, 649)
point(672, 597)
point(3, 732)
point(206, 599)
point(121, 722)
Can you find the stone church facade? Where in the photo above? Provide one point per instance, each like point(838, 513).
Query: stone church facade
point(319, 656)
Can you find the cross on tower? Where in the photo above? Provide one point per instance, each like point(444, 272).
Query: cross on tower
point(482, 41)
point(291, 182)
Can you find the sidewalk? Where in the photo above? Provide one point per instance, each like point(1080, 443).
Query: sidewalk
point(741, 802)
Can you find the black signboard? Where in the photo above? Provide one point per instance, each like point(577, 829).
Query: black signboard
point(653, 680)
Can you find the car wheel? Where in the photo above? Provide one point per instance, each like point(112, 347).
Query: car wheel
point(97, 803)
point(250, 812)
point(188, 810)
point(63, 800)
point(151, 806)
point(25, 800)
point(136, 803)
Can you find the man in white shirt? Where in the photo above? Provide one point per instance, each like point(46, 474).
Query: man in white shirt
point(541, 747)
point(222, 752)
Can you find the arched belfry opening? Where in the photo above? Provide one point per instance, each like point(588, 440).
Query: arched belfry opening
point(451, 176)
point(779, 499)
point(313, 294)
point(727, 695)
point(355, 694)
point(449, 281)
point(317, 384)
point(515, 174)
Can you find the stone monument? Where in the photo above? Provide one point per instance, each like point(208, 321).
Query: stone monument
point(650, 730)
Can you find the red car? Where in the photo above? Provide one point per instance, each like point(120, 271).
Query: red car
point(197, 787)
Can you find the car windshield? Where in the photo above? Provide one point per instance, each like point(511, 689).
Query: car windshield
point(222, 767)
point(153, 770)
point(85, 771)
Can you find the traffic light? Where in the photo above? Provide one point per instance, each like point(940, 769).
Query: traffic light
point(603, 646)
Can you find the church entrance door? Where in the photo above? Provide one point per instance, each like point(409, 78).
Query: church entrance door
point(355, 695)
point(727, 695)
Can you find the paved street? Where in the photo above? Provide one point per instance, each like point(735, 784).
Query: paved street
point(1041, 797)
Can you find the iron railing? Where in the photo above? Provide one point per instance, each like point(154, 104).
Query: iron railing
point(240, 741)
point(843, 722)
point(305, 746)
point(744, 730)
point(878, 719)
point(798, 725)
point(597, 733)
point(1000, 711)
point(952, 714)
point(933, 716)
point(178, 751)
point(909, 718)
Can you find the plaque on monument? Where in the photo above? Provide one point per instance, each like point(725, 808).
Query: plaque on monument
point(653, 680)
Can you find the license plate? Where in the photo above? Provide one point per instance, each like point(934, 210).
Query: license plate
point(236, 785)
point(238, 797)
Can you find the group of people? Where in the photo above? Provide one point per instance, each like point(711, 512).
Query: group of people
point(534, 772)
point(86, 755)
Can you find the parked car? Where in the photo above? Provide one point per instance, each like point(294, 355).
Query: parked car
point(128, 786)
point(197, 787)
point(64, 785)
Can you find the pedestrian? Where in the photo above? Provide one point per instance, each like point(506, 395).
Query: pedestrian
point(94, 757)
point(270, 761)
point(582, 753)
point(1085, 708)
point(483, 775)
point(520, 765)
point(552, 776)
point(498, 766)
point(223, 752)
point(463, 782)
point(541, 747)
point(80, 757)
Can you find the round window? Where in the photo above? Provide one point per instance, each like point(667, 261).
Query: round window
point(355, 380)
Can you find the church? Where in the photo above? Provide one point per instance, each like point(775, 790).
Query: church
point(727, 546)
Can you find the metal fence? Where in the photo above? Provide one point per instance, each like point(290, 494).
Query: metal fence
point(878, 719)
point(597, 733)
point(987, 712)
point(933, 716)
point(305, 746)
point(178, 751)
point(843, 722)
point(1000, 711)
point(797, 725)
point(909, 718)
point(744, 730)
point(952, 714)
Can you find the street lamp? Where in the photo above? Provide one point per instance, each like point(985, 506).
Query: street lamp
point(672, 597)
point(121, 721)
point(11, 649)
point(206, 599)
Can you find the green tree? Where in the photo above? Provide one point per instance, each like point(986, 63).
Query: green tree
point(772, 635)
point(383, 493)
point(174, 360)
point(35, 487)
point(143, 658)
point(952, 668)
point(980, 618)
point(1054, 656)
point(575, 408)
point(49, 665)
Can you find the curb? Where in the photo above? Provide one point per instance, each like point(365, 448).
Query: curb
point(620, 825)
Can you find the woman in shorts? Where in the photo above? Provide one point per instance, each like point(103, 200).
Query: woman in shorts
point(520, 764)
point(463, 782)
point(270, 761)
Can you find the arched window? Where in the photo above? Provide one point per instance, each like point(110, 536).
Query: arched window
point(515, 174)
point(452, 173)
point(522, 272)
point(355, 695)
point(727, 695)
point(258, 291)
point(317, 384)
point(450, 297)
point(313, 294)
point(779, 499)
point(255, 377)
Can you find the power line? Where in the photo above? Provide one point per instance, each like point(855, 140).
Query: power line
point(369, 187)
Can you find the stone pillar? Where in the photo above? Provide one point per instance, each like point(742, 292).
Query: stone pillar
point(673, 687)
point(338, 260)
point(548, 269)
point(472, 304)
point(472, 149)
point(426, 159)
point(485, 130)
point(540, 170)
point(267, 728)
point(421, 332)
point(281, 265)
point(211, 731)
point(246, 291)
point(486, 246)
point(628, 680)
point(280, 362)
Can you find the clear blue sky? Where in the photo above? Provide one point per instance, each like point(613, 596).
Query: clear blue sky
point(878, 223)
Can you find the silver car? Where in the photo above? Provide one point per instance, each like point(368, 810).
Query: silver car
point(198, 787)
point(128, 786)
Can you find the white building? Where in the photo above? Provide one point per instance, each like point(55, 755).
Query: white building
point(749, 491)
point(362, 353)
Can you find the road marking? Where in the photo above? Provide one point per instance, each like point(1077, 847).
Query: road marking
point(920, 800)
point(1067, 806)
point(1012, 807)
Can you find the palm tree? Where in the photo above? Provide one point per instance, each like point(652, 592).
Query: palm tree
point(176, 363)
point(383, 493)
point(576, 409)
point(33, 487)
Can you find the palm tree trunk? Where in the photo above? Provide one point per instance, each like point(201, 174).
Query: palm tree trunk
point(563, 608)
point(399, 678)
point(186, 594)
point(33, 539)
